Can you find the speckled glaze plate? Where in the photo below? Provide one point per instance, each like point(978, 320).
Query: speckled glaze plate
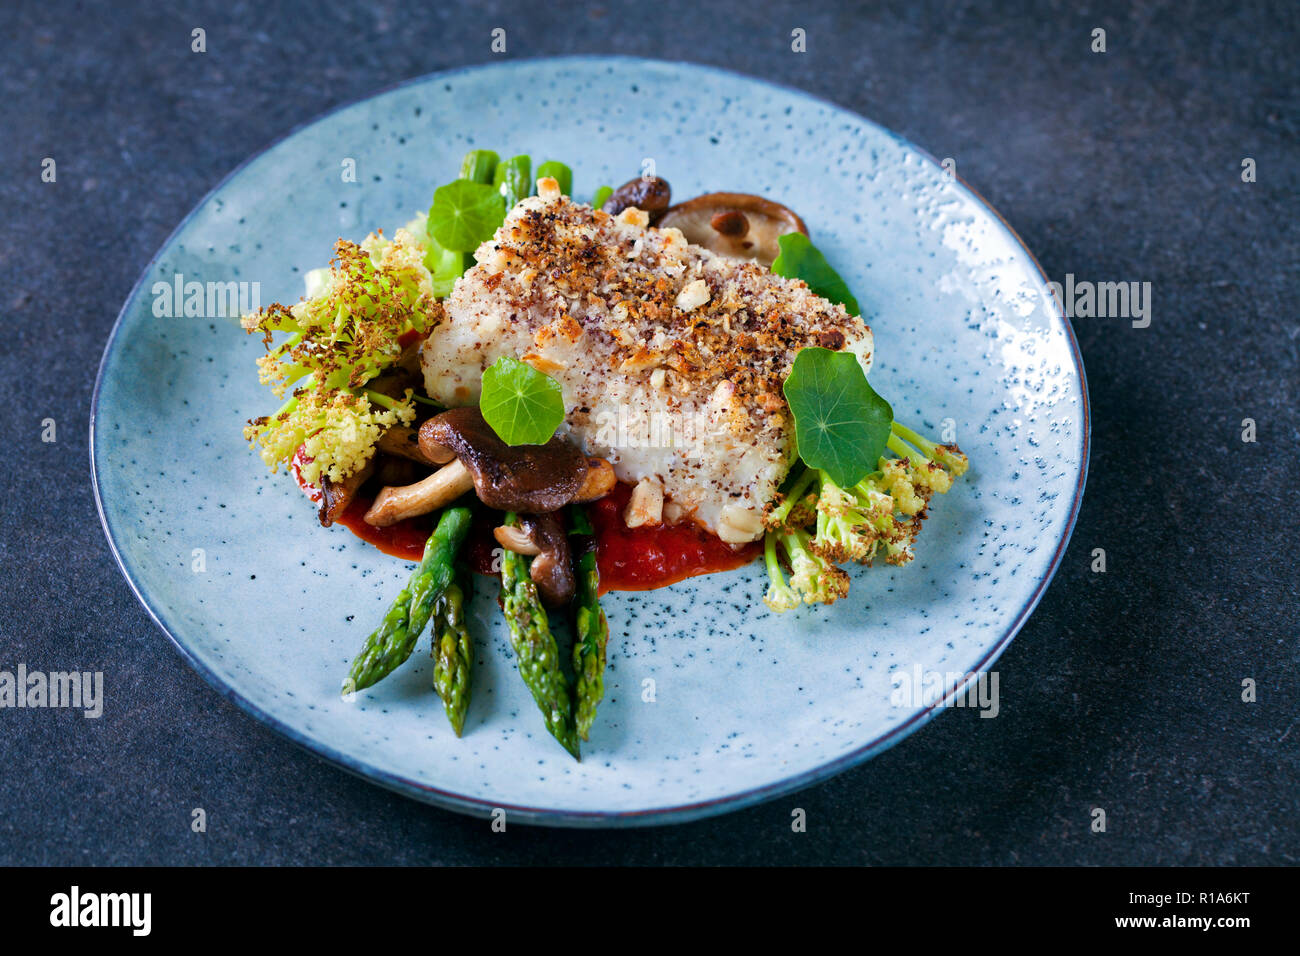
point(712, 703)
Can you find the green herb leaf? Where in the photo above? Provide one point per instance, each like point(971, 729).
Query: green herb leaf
point(840, 423)
point(465, 214)
point(800, 259)
point(523, 406)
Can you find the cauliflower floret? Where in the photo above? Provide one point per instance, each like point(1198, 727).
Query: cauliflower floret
point(896, 479)
point(881, 513)
point(337, 431)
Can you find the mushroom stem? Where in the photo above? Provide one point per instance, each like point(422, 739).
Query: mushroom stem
point(441, 488)
point(552, 568)
point(515, 539)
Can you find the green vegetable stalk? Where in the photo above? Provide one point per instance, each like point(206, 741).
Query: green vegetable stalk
point(535, 648)
point(389, 646)
point(560, 173)
point(591, 626)
point(445, 266)
point(513, 180)
point(602, 195)
point(479, 165)
point(453, 649)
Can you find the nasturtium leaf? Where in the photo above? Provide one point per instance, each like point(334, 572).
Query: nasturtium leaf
point(523, 406)
point(800, 259)
point(841, 425)
point(465, 214)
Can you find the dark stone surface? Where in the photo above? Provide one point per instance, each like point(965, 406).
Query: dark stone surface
point(1124, 689)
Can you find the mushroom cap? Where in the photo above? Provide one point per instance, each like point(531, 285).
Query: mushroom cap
point(650, 194)
point(735, 225)
point(524, 478)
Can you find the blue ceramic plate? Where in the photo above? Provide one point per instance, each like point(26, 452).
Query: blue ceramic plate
point(712, 702)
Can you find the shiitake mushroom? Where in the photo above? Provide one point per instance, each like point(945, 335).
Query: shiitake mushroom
point(650, 194)
point(736, 225)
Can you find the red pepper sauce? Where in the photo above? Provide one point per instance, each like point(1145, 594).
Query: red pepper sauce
point(403, 540)
point(641, 559)
point(630, 559)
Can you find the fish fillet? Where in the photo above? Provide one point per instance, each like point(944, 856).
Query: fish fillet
point(670, 356)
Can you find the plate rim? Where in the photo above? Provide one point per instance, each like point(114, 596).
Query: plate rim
point(679, 813)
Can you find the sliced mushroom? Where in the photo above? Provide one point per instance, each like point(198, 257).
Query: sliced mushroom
point(552, 569)
point(393, 470)
point(597, 482)
point(400, 440)
point(515, 539)
point(736, 225)
point(337, 495)
point(533, 479)
point(441, 488)
point(650, 194)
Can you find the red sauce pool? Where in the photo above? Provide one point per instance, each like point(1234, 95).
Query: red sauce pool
point(640, 559)
point(630, 559)
point(403, 540)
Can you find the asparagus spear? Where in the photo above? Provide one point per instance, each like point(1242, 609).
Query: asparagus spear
point(512, 178)
point(437, 568)
point(560, 173)
point(591, 626)
point(535, 648)
point(479, 165)
point(602, 194)
point(392, 643)
point(453, 649)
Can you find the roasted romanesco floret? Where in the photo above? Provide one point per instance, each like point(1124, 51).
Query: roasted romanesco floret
point(336, 430)
point(341, 337)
